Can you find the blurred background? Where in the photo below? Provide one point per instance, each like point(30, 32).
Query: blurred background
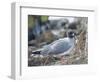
point(43, 30)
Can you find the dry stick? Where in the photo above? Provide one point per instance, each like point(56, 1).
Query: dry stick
point(46, 60)
point(79, 41)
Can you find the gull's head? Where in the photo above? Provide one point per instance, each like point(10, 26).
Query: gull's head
point(71, 34)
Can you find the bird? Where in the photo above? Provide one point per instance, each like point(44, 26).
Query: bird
point(60, 47)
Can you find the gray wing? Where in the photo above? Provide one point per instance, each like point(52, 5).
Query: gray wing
point(46, 50)
point(60, 47)
point(57, 47)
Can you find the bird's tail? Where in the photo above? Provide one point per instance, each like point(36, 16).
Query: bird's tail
point(36, 52)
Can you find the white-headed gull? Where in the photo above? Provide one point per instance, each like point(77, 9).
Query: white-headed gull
point(60, 47)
